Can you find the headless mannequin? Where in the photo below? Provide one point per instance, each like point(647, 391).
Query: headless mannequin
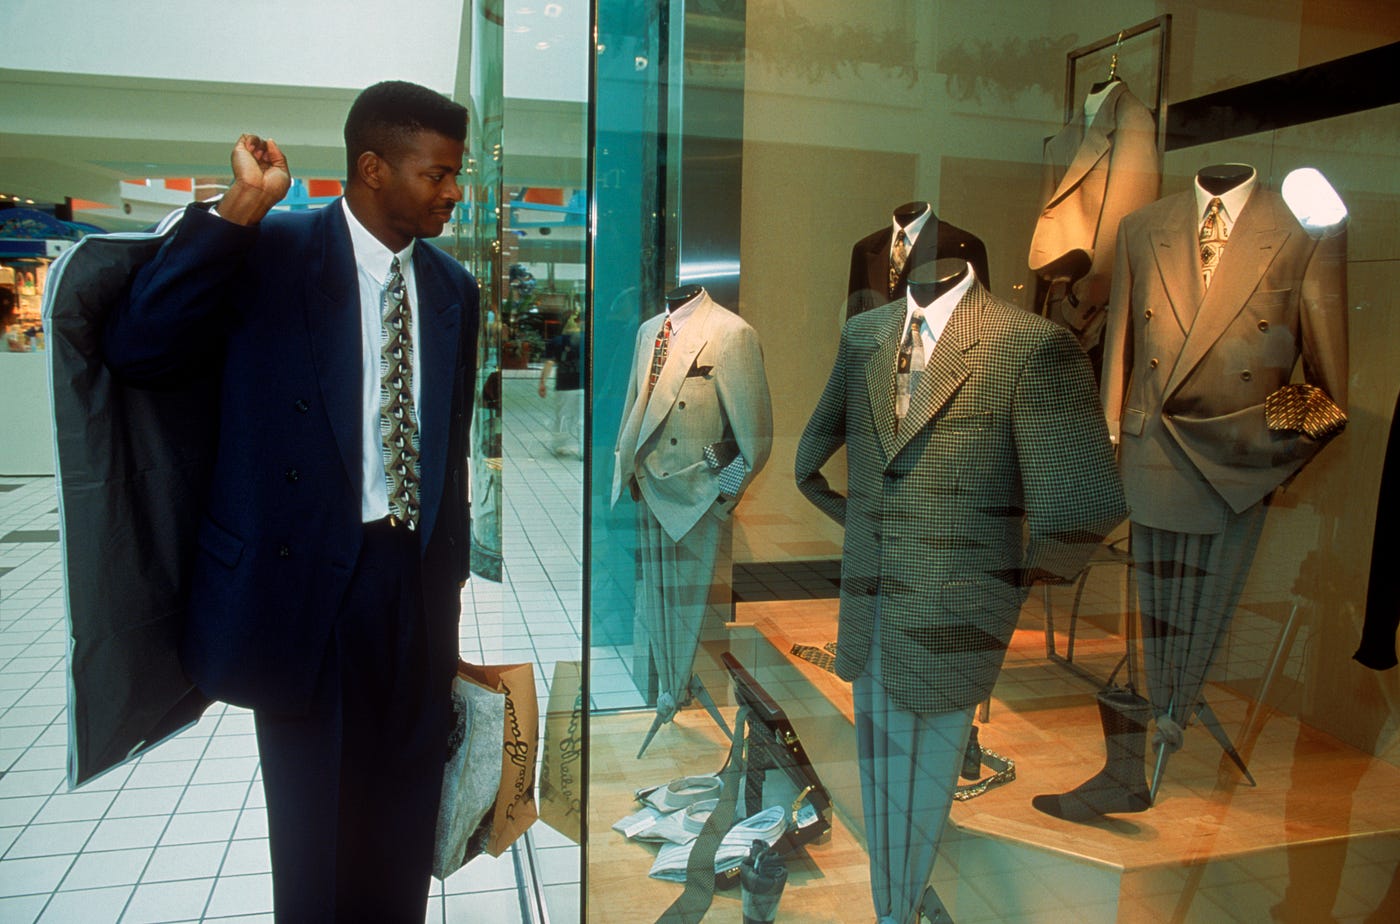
point(1218, 179)
point(905, 214)
point(932, 280)
point(680, 295)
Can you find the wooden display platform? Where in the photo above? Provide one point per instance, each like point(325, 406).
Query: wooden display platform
point(1320, 834)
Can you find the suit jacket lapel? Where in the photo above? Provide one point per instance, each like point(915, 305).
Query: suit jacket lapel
point(947, 368)
point(1255, 240)
point(681, 353)
point(439, 321)
point(333, 317)
point(877, 264)
point(1093, 147)
point(879, 374)
point(1174, 248)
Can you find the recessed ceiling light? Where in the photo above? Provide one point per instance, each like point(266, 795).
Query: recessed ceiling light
point(541, 45)
point(553, 10)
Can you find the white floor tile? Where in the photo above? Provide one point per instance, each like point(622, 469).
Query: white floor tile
point(90, 906)
point(242, 895)
point(502, 907)
point(156, 800)
point(214, 797)
point(23, 909)
point(199, 828)
point(121, 833)
point(107, 868)
point(65, 837)
point(247, 857)
point(185, 861)
point(159, 902)
point(32, 876)
point(75, 806)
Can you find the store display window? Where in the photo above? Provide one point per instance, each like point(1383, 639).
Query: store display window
point(989, 417)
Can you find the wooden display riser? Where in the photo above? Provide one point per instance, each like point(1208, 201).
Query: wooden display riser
point(1320, 834)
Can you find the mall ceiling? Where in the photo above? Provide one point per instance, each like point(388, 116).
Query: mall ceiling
point(80, 135)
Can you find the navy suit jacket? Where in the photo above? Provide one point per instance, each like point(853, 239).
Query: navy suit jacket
point(277, 306)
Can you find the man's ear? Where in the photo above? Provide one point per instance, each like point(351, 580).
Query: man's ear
point(369, 167)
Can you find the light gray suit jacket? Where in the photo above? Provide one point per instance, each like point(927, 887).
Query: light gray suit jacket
point(1003, 432)
point(712, 389)
point(1186, 370)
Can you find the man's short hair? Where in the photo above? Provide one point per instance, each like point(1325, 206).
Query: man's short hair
point(384, 116)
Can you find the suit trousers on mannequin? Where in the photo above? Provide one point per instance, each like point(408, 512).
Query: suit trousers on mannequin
point(674, 582)
point(352, 788)
point(909, 765)
point(1188, 587)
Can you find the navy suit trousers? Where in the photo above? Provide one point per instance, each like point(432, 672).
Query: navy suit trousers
point(353, 786)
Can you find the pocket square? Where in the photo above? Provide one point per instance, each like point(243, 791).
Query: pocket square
point(1306, 409)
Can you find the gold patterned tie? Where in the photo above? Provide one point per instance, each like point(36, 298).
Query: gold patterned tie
point(898, 256)
point(1214, 234)
point(659, 349)
point(398, 420)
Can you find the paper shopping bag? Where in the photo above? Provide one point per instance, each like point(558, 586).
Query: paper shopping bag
point(515, 809)
point(471, 778)
point(561, 797)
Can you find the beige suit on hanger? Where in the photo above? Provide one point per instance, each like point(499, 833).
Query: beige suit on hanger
point(1094, 175)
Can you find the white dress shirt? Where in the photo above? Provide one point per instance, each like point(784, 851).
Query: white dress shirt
point(1231, 202)
point(372, 261)
point(911, 230)
point(682, 313)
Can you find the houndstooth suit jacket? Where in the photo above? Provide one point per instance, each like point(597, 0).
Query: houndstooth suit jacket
point(1003, 431)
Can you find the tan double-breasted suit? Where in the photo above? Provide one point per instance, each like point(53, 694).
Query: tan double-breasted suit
point(1186, 373)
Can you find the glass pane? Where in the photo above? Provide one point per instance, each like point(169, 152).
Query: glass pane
point(1121, 715)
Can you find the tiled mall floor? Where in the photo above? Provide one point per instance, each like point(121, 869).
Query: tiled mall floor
point(180, 834)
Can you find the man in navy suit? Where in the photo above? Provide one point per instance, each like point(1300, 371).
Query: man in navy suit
point(318, 600)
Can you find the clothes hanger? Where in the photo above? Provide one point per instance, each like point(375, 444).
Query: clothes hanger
point(1112, 70)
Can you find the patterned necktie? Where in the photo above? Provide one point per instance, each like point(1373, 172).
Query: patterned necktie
point(911, 364)
point(1214, 234)
point(898, 256)
point(658, 354)
point(398, 420)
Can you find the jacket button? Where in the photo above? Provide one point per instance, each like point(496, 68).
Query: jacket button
point(1263, 325)
point(284, 551)
point(302, 406)
point(293, 475)
point(1246, 375)
point(681, 405)
point(1147, 314)
point(673, 441)
point(1152, 363)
